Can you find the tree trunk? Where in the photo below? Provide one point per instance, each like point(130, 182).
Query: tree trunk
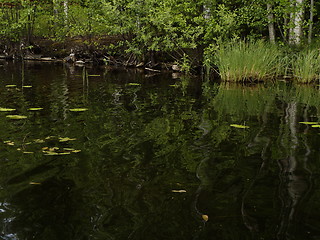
point(311, 21)
point(272, 33)
point(296, 19)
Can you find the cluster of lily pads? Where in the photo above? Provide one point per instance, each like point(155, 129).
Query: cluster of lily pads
point(47, 150)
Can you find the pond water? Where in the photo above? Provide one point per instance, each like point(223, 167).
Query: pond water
point(155, 157)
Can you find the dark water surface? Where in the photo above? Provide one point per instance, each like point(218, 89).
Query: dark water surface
point(158, 160)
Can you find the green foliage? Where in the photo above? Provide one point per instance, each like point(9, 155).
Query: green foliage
point(248, 61)
point(306, 66)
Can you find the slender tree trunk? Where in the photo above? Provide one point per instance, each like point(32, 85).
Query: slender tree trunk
point(295, 34)
point(311, 21)
point(65, 10)
point(206, 12)
point(272, 33)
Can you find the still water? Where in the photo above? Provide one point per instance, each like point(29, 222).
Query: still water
point(155, 157)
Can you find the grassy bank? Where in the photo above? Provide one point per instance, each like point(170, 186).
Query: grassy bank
point(262, 61)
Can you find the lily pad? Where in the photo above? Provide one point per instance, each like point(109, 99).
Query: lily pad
point(34, 183)
point(76, 151)
point(66, 139)
point(239, 126)
point(28, 152)
point(35, 109)
point(78, 109)
point(316, 126)
point(7, 109)
point(27, 86)
point(16, 117)
point(309, 123)
point(179, 191)
point(134, 84)
point(10, 86)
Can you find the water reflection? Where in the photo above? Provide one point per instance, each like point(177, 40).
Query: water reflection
point(141, 141)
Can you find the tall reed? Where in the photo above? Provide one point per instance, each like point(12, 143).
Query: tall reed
point(249, 61)
point(306, 66)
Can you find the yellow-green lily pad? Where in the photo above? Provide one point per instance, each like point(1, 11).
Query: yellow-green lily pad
point(11, 86)
point(27, 86)
point(35, 109)
point(239, 126)
point(7, 109)
point(66, 139)
point(134, 84)
point(316, 126)
point(78, 109)
point(16, 117)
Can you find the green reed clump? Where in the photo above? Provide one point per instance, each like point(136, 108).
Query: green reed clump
point(249, 61)
point(306, 66)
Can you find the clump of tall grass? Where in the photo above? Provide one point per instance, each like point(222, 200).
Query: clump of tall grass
point(249, 61)
point(306, 66)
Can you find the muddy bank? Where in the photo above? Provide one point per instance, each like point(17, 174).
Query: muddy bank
point(105, 50)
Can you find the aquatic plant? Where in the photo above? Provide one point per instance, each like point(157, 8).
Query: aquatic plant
point(306, 66)
point(249, 61)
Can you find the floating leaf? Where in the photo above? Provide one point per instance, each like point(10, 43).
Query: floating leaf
point(34, 183)
point(6, 109)
point(11, 86)
point(28, 152)
point(10, 143)
point(66, 139)
point(76, 151)
point(47, 153)
point(239, 126)
point(68, 149)
point(205, 218)
point(18, 149)
point(309, 123)
point(93, 75)
point(49, 137)
point(38, 141)
point(16, 117)
point(179, 191)
point(35, 109)
point(64, 153)
point(78, 109)
point(316, 126)
point(134, 84)
point(27, 86)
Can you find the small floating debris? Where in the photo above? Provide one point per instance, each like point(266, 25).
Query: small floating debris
point(11, 86)
point(134, 84)
point(34, 183)
point(78, 109)
point(239, 126)
point(35, 109)
point(179, 191)
point(205, 218)
point(16, 117)
point(7, 109)
point(309, 123)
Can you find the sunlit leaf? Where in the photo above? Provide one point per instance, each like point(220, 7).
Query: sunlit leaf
point(35, 109)
point(78, 109)
point(309, 123)
point(179, 191)
point(47, 153)
point(64, 153)
point(11, 86)
point(28, 152)
point(205, 218)
point(38, 141)
point(6, 109)
point(27, 86)
point(93, 75)
point(316, 126)
point(134, 84)
point(16, 117)
point(239, 126)
point(68, 149)
point(76, 151)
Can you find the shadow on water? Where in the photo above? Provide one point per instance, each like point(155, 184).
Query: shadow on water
point(155, 157)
